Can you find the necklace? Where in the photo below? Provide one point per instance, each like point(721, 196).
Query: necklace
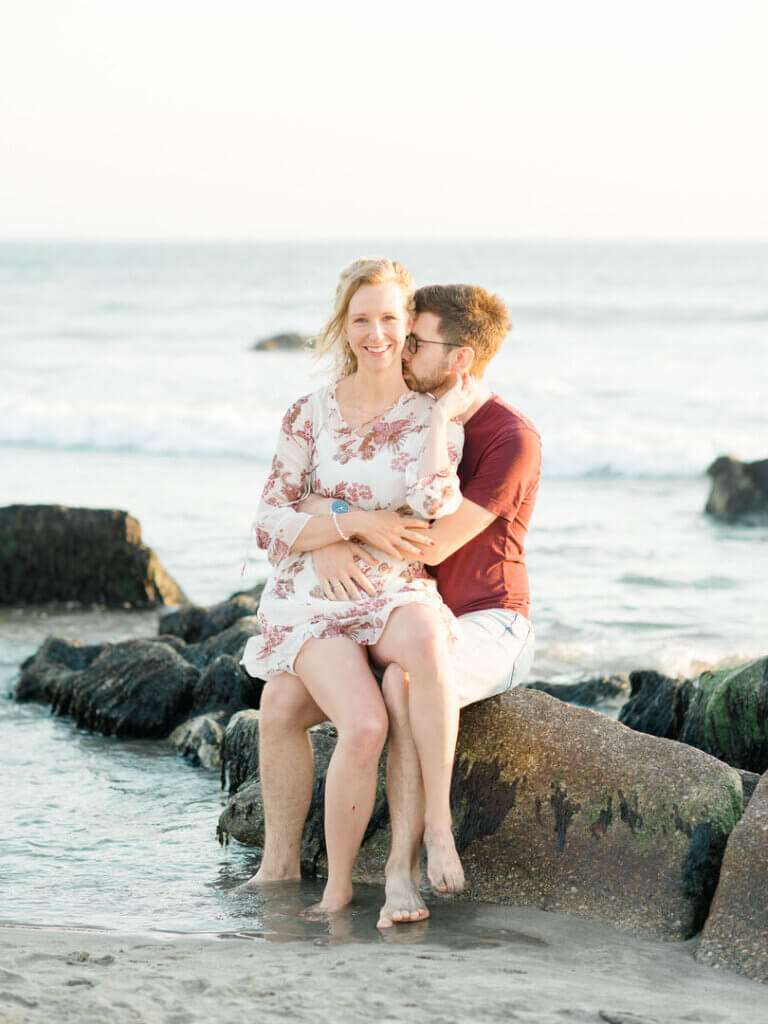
point(376, 416)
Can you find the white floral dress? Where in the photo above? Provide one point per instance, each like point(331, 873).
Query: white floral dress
point(375, 468)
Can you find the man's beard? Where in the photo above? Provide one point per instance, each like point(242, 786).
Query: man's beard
point(424, 385)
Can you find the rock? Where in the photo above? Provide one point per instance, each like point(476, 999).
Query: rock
point(739, 489)
point(281, 341)
point(225, 686)
point(140, 688)
point(729, 715)
point(735, 935)
point(54, 662)
point(230, 641)
point(193, 623)
point(565, 809)
point(243, 817)
point(255, 592)
point(199, 739)
point(240, 750)
point(49, 553)
point(587, 693)
point(137, 688)
point(724, 713)
point(556, 807)
point(657, 704)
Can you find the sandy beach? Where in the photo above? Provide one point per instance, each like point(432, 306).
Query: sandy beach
point(469, 963)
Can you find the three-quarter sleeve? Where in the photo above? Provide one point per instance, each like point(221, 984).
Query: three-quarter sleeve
point(278, 523)
point(433, 495)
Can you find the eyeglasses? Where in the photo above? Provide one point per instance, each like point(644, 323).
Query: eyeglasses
point(412, 343)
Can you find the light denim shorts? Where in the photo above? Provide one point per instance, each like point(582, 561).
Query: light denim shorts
point(494, 652)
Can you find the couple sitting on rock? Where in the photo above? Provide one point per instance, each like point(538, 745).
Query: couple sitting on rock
point(394, 518)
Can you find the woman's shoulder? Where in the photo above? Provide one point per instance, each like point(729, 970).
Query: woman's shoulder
point(299, 415)
point(418, 402)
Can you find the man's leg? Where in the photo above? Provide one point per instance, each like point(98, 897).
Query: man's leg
point(405, 796)
point(415, 638)
point(287, 774)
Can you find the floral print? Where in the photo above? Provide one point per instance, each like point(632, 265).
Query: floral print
point(379, 469)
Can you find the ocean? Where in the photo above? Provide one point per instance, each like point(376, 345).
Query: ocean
point(127, 380)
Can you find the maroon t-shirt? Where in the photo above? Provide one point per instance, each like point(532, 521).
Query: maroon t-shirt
point(499, 469)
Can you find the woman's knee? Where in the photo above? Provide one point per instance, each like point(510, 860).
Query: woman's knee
point(426, 641)
point(365, 736)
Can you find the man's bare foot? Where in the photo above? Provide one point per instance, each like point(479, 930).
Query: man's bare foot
point(331, 903)
point(403, 902)
point(444, 869)
point(264, 877)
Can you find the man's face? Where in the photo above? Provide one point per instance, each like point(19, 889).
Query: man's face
point(430, 366)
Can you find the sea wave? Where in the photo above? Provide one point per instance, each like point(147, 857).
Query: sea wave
point(187, 439)
point(189, 423)
point(595, 314)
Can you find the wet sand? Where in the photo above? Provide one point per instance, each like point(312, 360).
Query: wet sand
point(468, 963)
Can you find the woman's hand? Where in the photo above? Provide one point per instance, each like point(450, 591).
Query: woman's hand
point(340, 576)
point(403, 537)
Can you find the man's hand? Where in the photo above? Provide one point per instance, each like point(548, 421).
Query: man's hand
point(403, 537)
point(340, 576)
point(455, 395)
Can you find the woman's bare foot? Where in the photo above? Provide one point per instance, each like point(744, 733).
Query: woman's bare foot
point(444, 869)
point(403, 902)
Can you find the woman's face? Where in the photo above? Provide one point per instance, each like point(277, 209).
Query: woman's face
point(377, 325)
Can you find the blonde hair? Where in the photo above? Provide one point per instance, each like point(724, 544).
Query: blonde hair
point(367, 270)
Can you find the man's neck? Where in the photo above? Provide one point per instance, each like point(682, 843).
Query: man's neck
point(481, 394)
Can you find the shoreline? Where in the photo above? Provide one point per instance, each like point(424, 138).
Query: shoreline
point(476, 962)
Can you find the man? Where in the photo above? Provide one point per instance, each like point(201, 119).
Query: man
point(478, 561)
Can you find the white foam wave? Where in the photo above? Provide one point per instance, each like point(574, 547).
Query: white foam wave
point(167, 429)
point(241, 427)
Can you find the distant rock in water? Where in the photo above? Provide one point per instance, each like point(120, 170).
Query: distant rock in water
point(739, 489)
point(50, 553)
point(588, 693)
point(278, 342)
point(724, 713)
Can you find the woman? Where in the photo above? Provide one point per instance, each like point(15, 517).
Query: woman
point(370, 441)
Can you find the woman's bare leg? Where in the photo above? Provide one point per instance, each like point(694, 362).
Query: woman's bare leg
point(286, 769)
point(337, 676)
point(415, 638)
point(405, 795)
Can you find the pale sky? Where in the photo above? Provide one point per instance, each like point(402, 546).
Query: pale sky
point(251, 120)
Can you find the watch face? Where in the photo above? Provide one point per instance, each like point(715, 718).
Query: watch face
point(339, 506)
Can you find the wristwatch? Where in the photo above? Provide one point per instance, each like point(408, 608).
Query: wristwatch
point(337, 508)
